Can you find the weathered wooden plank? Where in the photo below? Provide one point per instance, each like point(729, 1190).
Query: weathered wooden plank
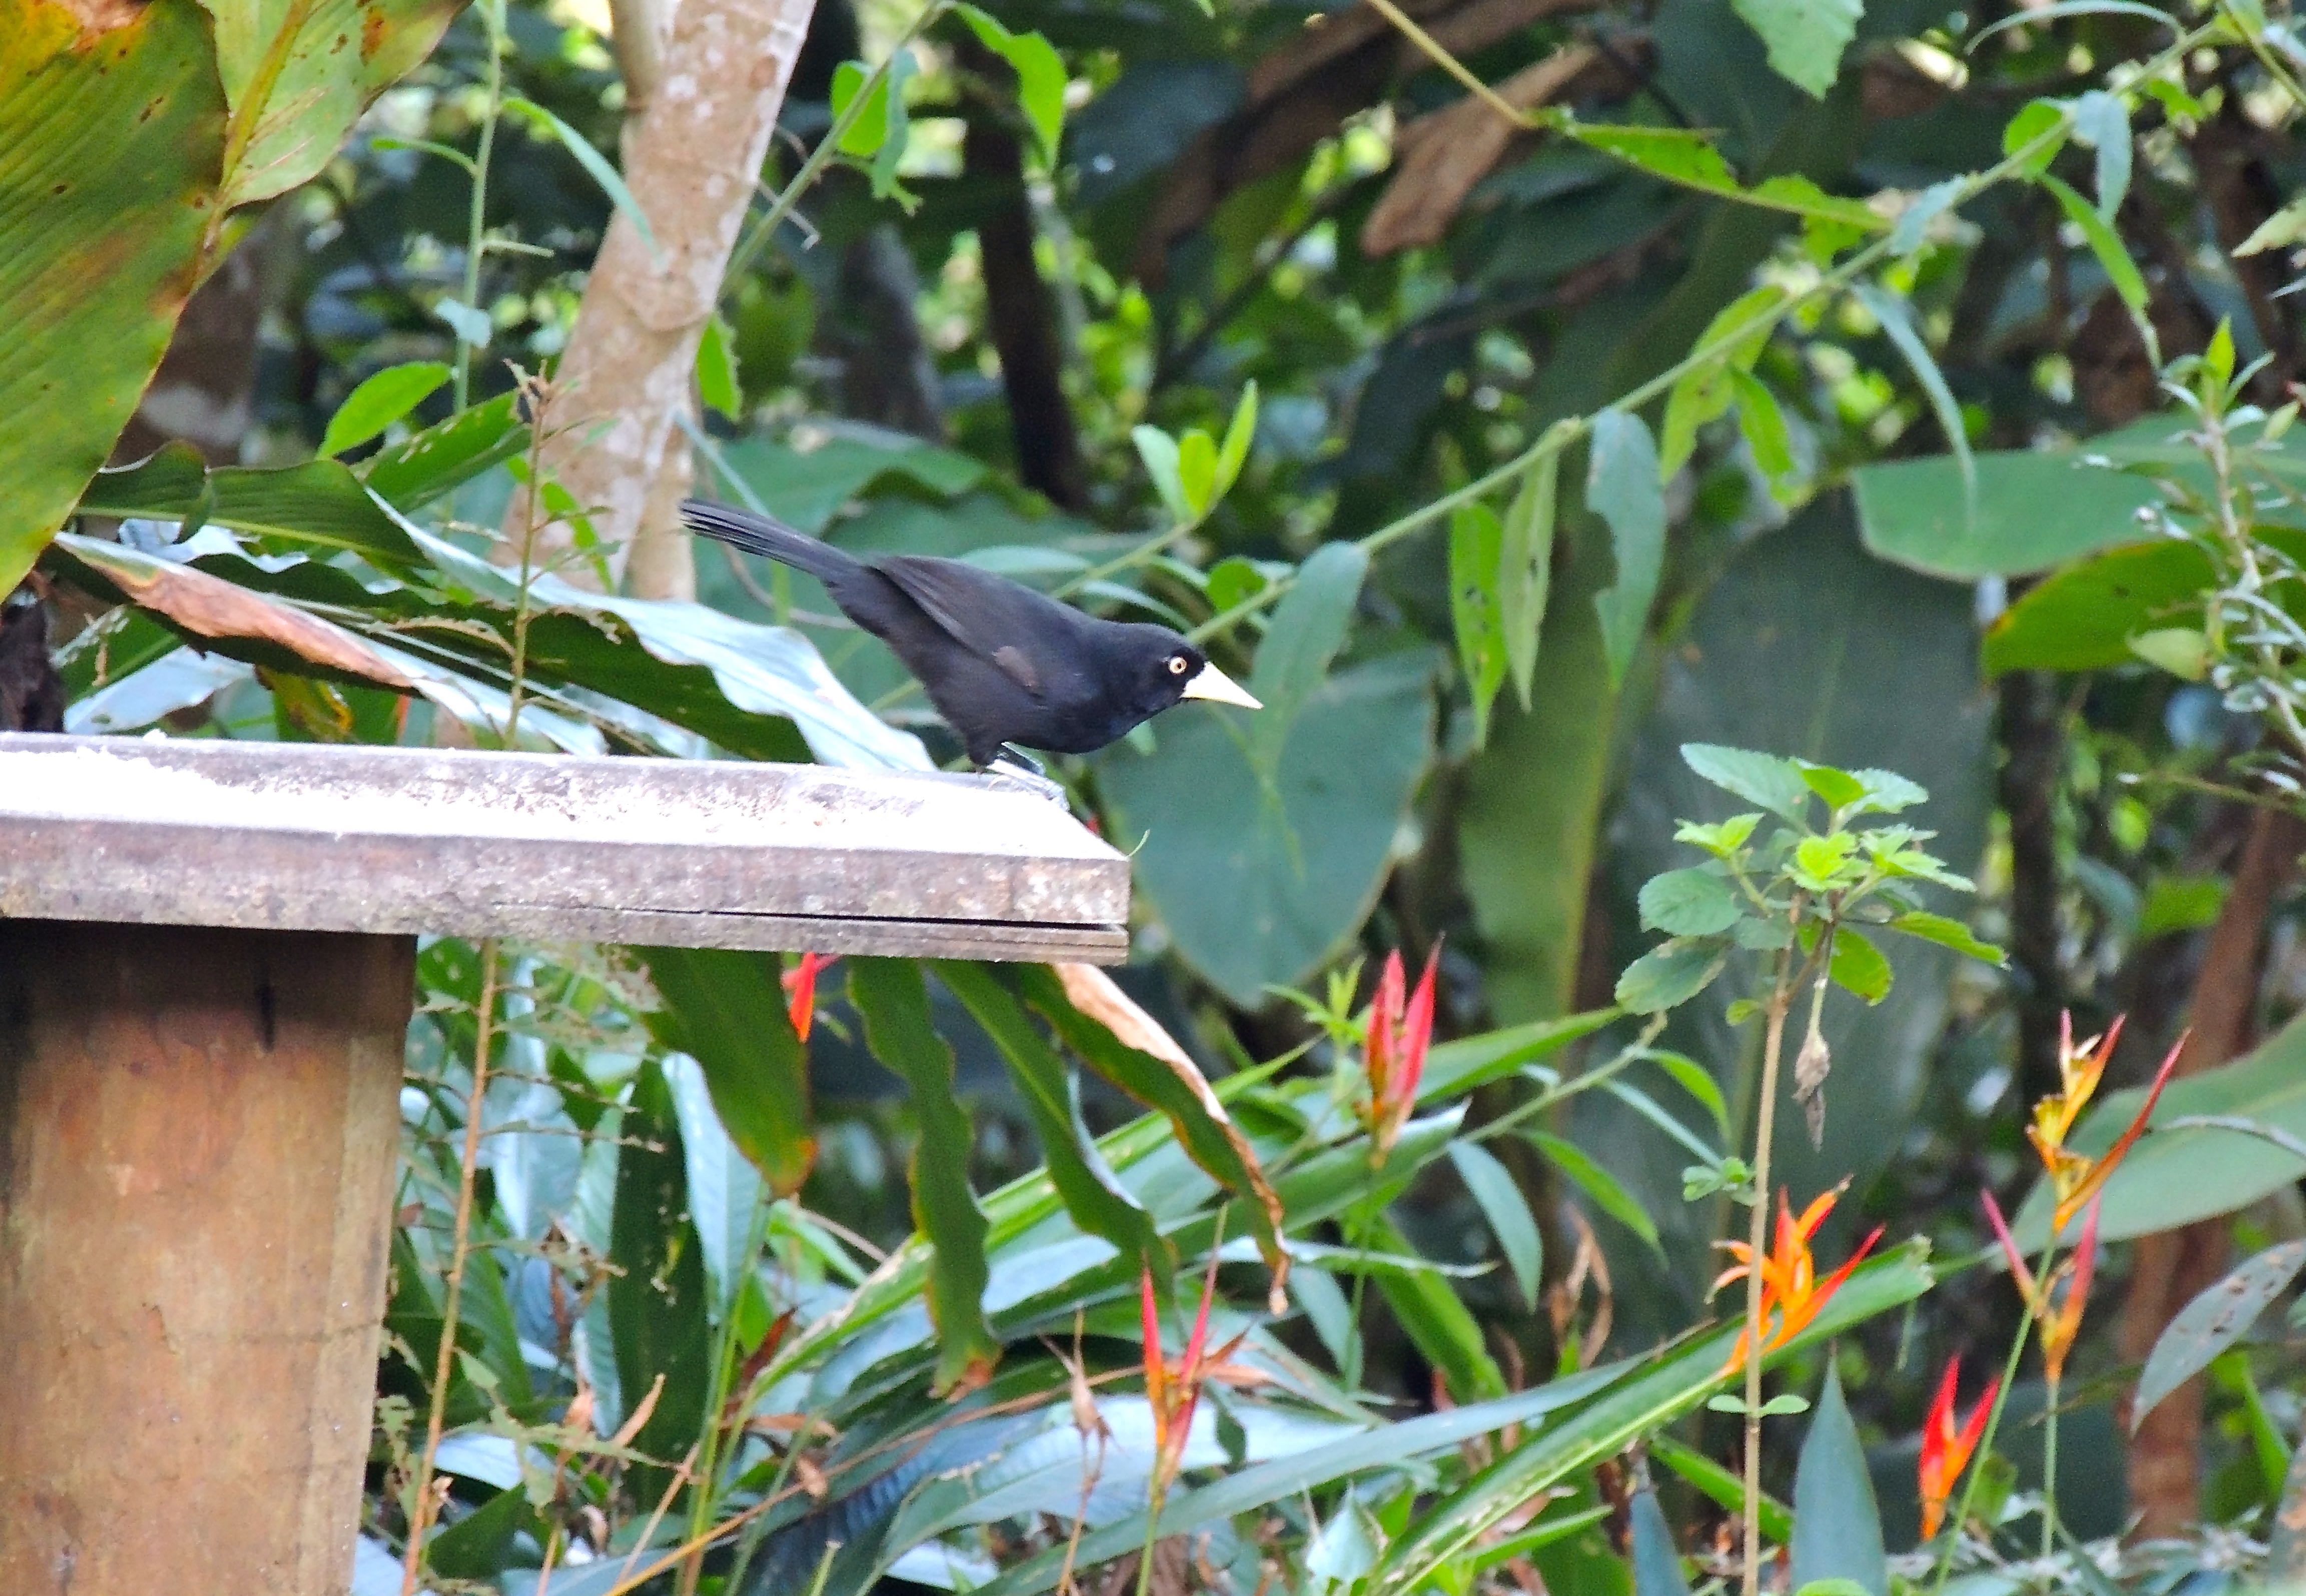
point(293, 836)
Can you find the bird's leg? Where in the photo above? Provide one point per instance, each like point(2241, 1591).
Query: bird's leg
point(1009, 767)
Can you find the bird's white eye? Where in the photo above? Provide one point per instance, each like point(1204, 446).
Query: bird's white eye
point(1176, 664)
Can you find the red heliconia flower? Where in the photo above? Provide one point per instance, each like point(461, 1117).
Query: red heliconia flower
point(800, 989)
point(1792, 1294)
point(1175, 1391)
point(2060, 1320)
point(1946, 1449)
point(2075, 1178)
point(1400, 1032)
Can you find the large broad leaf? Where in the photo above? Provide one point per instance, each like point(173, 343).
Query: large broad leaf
point(2034, 508)
point(321, 504)
point(2214, 1321)
point(1836, 1526)
point(657, 1295)
point(2083, 618)
point(811, 478)
point(1533, 802)
point(1292, 807)
point(893, 1001)
point(297, 74)
point(726, 1009)
point(115, 142)
point(1806, 648)
point(2174, 1177)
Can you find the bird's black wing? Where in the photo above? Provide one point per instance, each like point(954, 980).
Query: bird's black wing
point(994, 618)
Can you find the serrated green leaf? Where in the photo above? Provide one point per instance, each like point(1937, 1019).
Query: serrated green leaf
point(892, 999)
point(1607, 1192)
point(1860, 967)
point(1836, 787)
point(1765, 778)
point(1691, 903)
point(1040, 78)
point(1806, 38)
point(1669, 976)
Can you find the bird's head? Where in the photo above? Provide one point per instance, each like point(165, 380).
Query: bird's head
point(1173, 669)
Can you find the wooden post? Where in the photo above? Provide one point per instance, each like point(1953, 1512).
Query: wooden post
point(201, 1130)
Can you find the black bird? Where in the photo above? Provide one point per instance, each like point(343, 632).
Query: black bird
point(1004, 665)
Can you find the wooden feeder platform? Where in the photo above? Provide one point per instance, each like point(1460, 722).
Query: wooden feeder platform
point(207, 954)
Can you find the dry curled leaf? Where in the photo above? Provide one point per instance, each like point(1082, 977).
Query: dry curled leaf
point(1812, 1065)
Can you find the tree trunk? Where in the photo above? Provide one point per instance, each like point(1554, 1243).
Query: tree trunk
point(692, 160)
point(1024, 317)
point(2170, 1269)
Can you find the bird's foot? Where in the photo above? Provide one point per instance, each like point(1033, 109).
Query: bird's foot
point(1035, 780)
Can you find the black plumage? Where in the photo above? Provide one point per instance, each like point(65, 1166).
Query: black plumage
point(1002, 663)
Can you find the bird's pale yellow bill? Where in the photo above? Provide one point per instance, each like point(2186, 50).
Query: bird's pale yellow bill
point(1210, 683)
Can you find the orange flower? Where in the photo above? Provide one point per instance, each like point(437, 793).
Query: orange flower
point(2061, 1323)
point(800, 988)
point(1791, 1288)
point(1946, 1449)
point(1400, 1030)
point(2073, 1176)
point(1175, 1391)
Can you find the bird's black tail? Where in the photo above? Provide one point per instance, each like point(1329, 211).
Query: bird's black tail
point(758, 535)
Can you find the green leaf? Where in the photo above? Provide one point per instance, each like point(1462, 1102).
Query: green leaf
point(1455, 1068)
point(717, 383)
point(1736, 336)
point(1526, 568)
point(1694, 1079)
point(2215, 1321)
point(1688, 157)
point(1838, 788)
point(879, 127)
point(1234, 580)
point(1621, 487)
point(1948, 933)
point(596, 167)
point(379, 401)
point(2104, 243)
point(1437, 1322)
point(1296, 806)
point(1784, 1405)
point(1040, 78)
point(1806, 38)
point(657, 1294)
point(2102, 121)
point(1719, 1485)
point(1172, 1088)
point(1598, 1184)
point(1092, 1195)
point(1836, 1526)
point(1691, 903)
point(115, 140)
point(1163, 463)
point(2180, 903)
point(1858, 965)
point(2038, 120)
point(1475, 541)
point(319, 504)
point(1506, 1212)
point(2182, 651)
point(2284, 230)
point(868, 127)
point(447, 454)
point(1233, 454)
point(726, 1009)
point(1657, 1560)
point(1677, 1382)
point(1197, 470)
point(1897, 320)
point(1669, 976)
point(1764, 425)
point(1765, 778)
point(892, 999)
point(2083, 618)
